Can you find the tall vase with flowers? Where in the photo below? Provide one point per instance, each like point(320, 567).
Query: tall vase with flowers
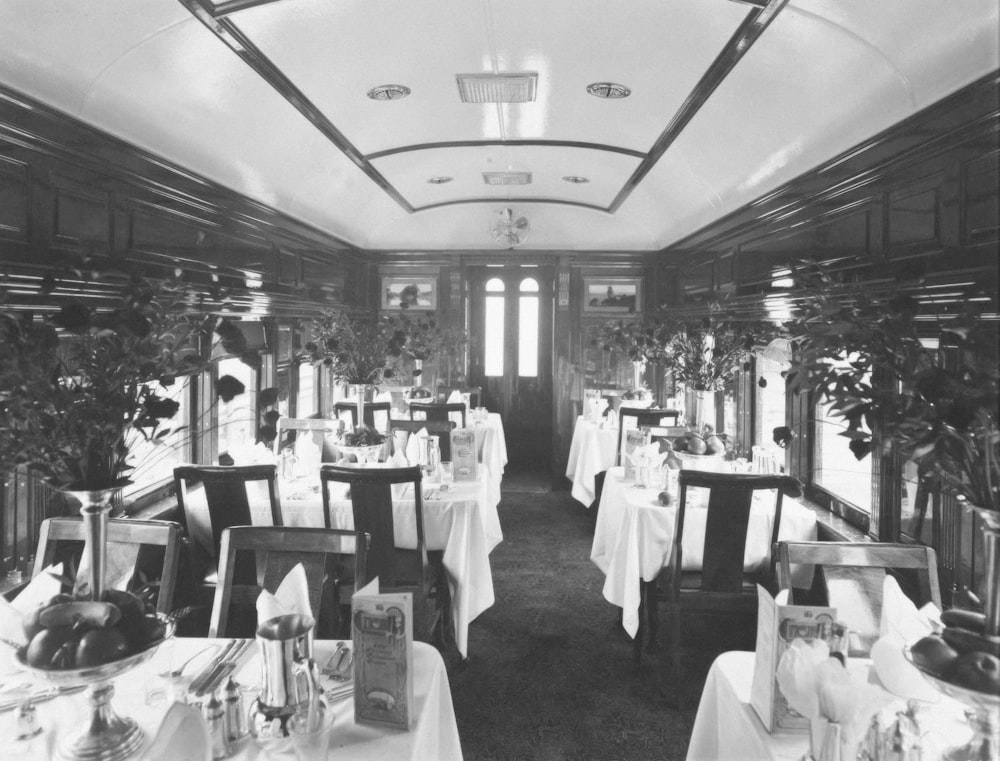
point(639, 341)
point(926, 384)
point(360, 351)
point(79, 386)
point(424, 338)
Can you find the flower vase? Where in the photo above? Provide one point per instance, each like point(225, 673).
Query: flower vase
point(637, 369)
point(363, 394)
point(703, 409)
point(95, 507)
point(990, 520)
point(418, 370)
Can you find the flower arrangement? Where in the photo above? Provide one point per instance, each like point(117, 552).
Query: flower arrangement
point(77, 385)
point(936, 408)
point(642, 340)
point(705, 355)
point(363, 436)
point(358, 351)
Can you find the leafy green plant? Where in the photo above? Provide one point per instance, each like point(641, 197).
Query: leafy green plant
point(863, 352)
point(357, 350)
point(639, 340)
point(77, 383)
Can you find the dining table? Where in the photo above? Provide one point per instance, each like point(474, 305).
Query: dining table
point(434, 734)
point(591, 451)
point(727, 728)
point(634, 536)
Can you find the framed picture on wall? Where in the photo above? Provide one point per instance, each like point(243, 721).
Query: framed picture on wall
point(612, 295)
point(417, 292)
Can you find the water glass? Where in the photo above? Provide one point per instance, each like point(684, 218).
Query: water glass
point(446, 473)
point(311, 742)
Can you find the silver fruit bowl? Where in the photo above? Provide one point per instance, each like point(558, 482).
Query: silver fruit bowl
point(104, 735)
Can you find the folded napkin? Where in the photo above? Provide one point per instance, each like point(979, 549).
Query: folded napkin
point(291, 596)
point(413, 446)
point(901, 617)
point(41, 588)
point(455, 397)
point(383, 396)
point(651, 452)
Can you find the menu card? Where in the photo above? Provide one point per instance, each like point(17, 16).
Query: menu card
point(382, 631)
point(635, 438)
point(464, 454)
point(778, 623)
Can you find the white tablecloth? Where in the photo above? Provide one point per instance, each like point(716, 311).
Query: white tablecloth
point(726, 727)
point(634, 534)
point(591, 451)
point(463, 522)
point(434, 735)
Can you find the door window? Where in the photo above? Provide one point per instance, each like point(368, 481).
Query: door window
point(494, 333)
point(527, 329)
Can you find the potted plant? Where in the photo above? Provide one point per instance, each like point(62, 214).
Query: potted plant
point(864, 352)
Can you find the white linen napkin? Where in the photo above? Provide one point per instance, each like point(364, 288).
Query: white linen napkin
point(413, 446)
point(383, 396)
point(455, 397)
point(40, 589)
point(291, 596)
point(901, 617)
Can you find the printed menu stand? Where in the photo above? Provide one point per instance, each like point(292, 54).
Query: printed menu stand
point(463, 454)
point(635, 438)
point(778, 623)
point(382, 630)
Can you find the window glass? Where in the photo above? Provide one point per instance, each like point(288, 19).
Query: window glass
point(237, 417)
point(527, 328)
point(916, 507)
point(770, 408)
point(305, 404)
point(493, 333)
point(836, 469)
point(154, 461)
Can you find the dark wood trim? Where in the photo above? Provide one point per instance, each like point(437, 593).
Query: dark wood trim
point(516, 143)
point(742, 40)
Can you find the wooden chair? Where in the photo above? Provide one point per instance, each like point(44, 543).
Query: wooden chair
point(226, 494)
point(398, 570)
point(351, 406)
point(643, 418)
point(850, 576)
point(721, 586)
point(440, 428)
point(438, 411)
point(334, 561)
point(135, 548)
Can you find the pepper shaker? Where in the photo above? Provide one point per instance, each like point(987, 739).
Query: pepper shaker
point(216, 718)
point(235, 716)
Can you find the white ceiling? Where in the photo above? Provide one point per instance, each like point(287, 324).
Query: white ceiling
point(823, 76)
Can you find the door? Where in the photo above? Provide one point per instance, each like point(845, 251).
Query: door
point(510, 315)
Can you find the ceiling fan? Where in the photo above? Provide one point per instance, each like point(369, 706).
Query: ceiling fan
point(509, 231)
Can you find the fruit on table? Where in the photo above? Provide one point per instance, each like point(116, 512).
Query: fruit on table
point(715, 445)
point(80, 612)
point(967, 641)
point(48, 648)
point(978, 671)
point(32, 623)
point(965, 619)
point(99, 646)
point(697, 445)
point(933, 654)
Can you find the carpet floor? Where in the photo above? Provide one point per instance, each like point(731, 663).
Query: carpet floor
point(550, 675)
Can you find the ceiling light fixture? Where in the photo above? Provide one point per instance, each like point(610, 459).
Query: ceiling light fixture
point(507, 178)
point(388, 92)
point(608, 90)
point(509, 231)
point(576, 180)
point(440, 180)
point(517, 87)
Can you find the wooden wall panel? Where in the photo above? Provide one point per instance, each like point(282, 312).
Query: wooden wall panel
point(15, 198)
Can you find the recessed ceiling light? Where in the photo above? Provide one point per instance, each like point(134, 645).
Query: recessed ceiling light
point(388, 92)
point(608, 90)
point(575, 180)
point(440, 180)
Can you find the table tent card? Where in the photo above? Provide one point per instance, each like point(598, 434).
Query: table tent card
point(382, 629)
point(778, 623)
point(635, 438)
point(464, 454)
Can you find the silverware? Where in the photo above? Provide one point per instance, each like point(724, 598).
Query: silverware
point(225, 668)
point(199, 681)
point(40, 696)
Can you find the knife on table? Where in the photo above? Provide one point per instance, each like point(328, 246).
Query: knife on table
point(199, 681)
point(225, 668)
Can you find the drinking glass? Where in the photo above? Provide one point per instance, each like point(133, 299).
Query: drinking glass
point(311, 742)
point(447, 473)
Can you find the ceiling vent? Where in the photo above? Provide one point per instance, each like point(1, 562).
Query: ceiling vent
point(507, 178)
point(516, 87)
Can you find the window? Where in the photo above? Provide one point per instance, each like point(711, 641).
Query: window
point(527, 329)
point(305, 403)
point(493, 333)
point(770, 407)
point(154, 461)
point(238, 417)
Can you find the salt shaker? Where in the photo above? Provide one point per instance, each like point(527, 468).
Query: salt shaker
point(235, 716)
point(215, 716)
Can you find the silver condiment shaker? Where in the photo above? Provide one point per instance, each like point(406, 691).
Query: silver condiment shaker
point(235, 716)
point(215, 716)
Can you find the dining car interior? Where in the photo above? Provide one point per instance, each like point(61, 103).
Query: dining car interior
point(500, 379)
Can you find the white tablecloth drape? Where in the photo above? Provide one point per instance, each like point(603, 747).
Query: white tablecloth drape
point(591, 451)
point(434, 735)
point(726, 727)
point(634, 534)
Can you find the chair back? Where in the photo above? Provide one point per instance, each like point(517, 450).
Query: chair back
point(438, 411)
point(729, 502)
point(332, 559)
point(851, 577)
point(150, 547)
point(440, 428)
point(636, 417)
point(371, 408)
point(226, 495)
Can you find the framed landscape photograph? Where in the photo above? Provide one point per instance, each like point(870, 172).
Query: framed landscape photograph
point(416, 292)
point(612, 295)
